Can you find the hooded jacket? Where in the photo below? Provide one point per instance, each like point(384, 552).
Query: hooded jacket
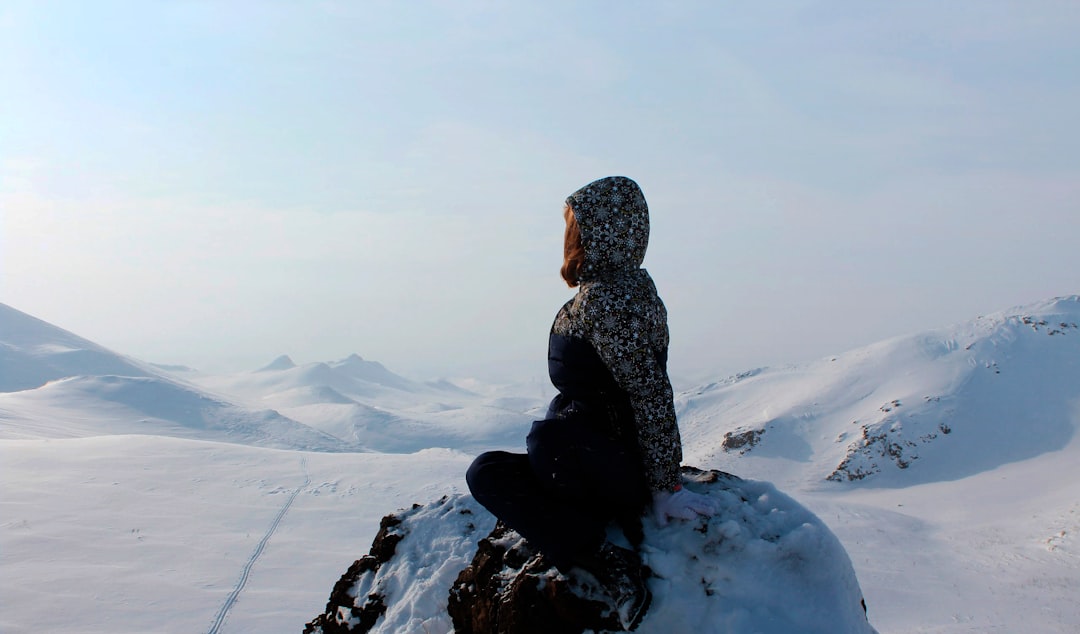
point(618, 313)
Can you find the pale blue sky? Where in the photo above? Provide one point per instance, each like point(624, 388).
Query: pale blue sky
point(216, 183)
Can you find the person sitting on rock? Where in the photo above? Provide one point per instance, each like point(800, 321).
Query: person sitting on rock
point(609, 444)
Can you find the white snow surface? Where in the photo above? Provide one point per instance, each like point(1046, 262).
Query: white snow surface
point(134, 500)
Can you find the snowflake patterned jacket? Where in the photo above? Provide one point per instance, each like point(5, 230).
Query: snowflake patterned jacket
point(618, 312)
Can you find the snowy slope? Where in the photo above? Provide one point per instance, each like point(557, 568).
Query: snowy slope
point(54, 384)
point(33, 352)
point(152, 534)
point(998, 551)
point(85, 406)
point(940, 405)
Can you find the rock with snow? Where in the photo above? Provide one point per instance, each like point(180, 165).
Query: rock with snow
point(763, 564)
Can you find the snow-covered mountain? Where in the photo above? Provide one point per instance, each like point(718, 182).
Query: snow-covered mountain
point(939, 405)
point(54, 384)
point(945, 462)
point(364, 403)
point(352, 377)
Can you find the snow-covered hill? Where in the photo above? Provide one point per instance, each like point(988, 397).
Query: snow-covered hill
point(83, 406)
point(352, 378)
point(33, 352)
point(54, 384)
point(363, 403)
point(935, 406)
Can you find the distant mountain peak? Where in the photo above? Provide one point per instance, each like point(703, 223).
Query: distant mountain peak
point(284, 362)
point(356, 361)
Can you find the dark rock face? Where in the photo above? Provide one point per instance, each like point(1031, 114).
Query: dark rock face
point(743, 440)
point(509, 587)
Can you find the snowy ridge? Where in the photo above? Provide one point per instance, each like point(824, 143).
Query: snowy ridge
point(54, 384)
point(84, 406)
point(365, 405)
point(33, 352)
point(350, 378)
point(998, 389)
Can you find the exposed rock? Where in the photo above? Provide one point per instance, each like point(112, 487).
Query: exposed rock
point(342, 612)
point(508, 587)
point(762, 564)
point(887, 440)
point(415, 557)
point(743, 439)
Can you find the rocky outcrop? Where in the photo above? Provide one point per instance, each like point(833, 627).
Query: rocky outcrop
point(742, 440)
point(509, 587)
point(343, 612)
point(763, 564)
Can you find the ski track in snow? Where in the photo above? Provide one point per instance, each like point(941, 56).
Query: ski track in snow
point(235, 594)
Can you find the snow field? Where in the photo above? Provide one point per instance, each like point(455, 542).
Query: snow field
point(151, 534)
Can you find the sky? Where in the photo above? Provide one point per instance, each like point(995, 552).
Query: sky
point(217, 183)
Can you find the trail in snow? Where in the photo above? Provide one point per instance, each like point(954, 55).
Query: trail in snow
point(231, 600)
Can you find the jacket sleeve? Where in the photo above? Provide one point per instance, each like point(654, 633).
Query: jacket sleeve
point(618, 328)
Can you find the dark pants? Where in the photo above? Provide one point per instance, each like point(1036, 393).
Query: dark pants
point(564, 492)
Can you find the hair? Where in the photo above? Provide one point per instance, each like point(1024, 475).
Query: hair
point(573, 251)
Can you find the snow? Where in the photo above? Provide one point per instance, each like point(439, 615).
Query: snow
point(134, 499)
point(769, 566)
point(151, 533)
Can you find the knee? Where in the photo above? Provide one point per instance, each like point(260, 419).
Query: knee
point(479, 473)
